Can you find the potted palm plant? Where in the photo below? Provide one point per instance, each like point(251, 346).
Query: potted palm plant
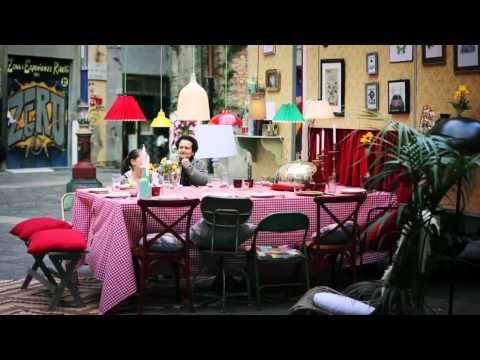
point(434, 164)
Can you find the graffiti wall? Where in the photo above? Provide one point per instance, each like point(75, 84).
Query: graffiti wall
point(37, 112)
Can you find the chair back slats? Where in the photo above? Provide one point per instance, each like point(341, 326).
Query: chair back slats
point(282, 222)
point(147, 206)
point(355, 200)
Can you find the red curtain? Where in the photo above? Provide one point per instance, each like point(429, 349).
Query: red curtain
point(352, 162)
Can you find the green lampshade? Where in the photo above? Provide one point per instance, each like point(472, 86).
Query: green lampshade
point(288, 113)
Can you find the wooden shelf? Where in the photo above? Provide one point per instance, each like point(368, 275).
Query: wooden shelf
point(272, 144)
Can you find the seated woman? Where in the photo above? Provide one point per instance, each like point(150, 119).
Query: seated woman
point(193, 172)
point(131, 171)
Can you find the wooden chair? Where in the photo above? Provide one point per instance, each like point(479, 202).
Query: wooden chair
point(150, 249)
point(224, 231)
point(280, 223)
point(342, 238)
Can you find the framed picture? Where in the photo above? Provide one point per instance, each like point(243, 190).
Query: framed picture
point(466, 58)
point(433, 54)
point(268, 49)
point(371, 96)
point(401, 53)
point(372, 63)
point(332, 84)
point(272, 80)
point(399, 96)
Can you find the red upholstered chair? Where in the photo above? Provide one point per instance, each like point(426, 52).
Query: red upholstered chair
point(339, 239)
point(59, 245)
point(170, 245)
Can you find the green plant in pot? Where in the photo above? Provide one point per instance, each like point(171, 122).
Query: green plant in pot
point(433, 165)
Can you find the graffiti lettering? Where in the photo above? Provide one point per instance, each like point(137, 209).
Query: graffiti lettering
point(42, 112)
point(28, 68)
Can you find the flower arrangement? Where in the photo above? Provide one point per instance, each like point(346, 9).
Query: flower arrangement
point(366, 139)
point(168, 167)
point(461, 103)
point(182, 128)
point(427, 119)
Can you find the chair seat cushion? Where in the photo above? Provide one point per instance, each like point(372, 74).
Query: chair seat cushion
point(201, 236)
point(334, 237)
point(340, 304)
point(57, 240)
point(276, 252)
point(166, 243)
point(25, 229)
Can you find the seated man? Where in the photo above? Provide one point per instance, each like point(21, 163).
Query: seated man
point(193, 172)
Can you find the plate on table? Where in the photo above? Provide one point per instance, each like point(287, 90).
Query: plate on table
point(310, 193)
point(98, 190)
point(353, 191)
point(118, 195)
point(168, 197)
point(263, 195)
point(124, 186)
point(221, 194)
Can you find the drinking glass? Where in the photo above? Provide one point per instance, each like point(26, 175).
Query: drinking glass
point(332, 186)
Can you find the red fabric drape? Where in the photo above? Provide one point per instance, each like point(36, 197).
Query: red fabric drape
point(351, 161)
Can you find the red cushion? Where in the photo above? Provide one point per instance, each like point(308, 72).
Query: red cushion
point(381, 229)
point(25, 229)
point(57, 240)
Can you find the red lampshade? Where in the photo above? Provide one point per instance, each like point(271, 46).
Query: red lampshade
point(226, 117)
point(125, 108)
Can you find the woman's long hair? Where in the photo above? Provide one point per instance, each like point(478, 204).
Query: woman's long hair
point(132, 155)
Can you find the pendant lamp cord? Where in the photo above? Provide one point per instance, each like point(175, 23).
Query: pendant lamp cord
point(125, 70)
point(258, 65)
point(161, 76)
point(226, 76)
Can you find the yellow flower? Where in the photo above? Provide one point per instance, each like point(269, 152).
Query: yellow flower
point(174, 166)
point(164, 160)
point(462, 88)
point(457, 95)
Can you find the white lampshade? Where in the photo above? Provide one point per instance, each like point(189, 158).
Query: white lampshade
point(192, 104)
point(215, 141)
point(318, 110)
point(258, 109)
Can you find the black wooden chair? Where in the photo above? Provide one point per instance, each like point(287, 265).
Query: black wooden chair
point(218, 236)
point(170, 245)
point(341, 237)
point(280, 223)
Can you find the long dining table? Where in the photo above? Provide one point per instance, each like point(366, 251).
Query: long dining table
point(113, 225)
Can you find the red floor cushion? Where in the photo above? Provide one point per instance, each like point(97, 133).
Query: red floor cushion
point(25, 229)
point(57, 240)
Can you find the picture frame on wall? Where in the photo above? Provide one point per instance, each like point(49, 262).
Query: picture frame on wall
point(466, 58)
point(434, 54)
point(268, 49)
point(332, 84)
point(401, 53)
point(272, 80)
point(372, 63)
point(371, 96)
point(399, 96)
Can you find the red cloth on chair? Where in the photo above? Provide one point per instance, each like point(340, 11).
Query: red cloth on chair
point(25, 229)
point(381, 229)
point(57, 240)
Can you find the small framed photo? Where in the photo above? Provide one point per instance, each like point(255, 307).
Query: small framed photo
point(268, 49)
point(433, 54)
point(332, 84)
point(466, 58)
point(372, 63)
point(401, 53)
point(272, 80)
point(371, 96)
point(399, 96)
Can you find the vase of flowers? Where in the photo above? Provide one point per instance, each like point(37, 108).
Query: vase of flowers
point(366, 141)
point(461, 102)
point(170, 172)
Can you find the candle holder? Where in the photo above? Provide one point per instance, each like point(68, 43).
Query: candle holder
point(332, 180)
point(319, 162)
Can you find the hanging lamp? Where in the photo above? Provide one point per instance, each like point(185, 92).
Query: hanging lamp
point(192, 103)
point(258, 108)
point(125, 107)
point(226, 117)
point(161, 121)
point(288, 113)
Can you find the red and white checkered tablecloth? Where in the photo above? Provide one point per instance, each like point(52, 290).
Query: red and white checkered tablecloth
point(112, 226)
